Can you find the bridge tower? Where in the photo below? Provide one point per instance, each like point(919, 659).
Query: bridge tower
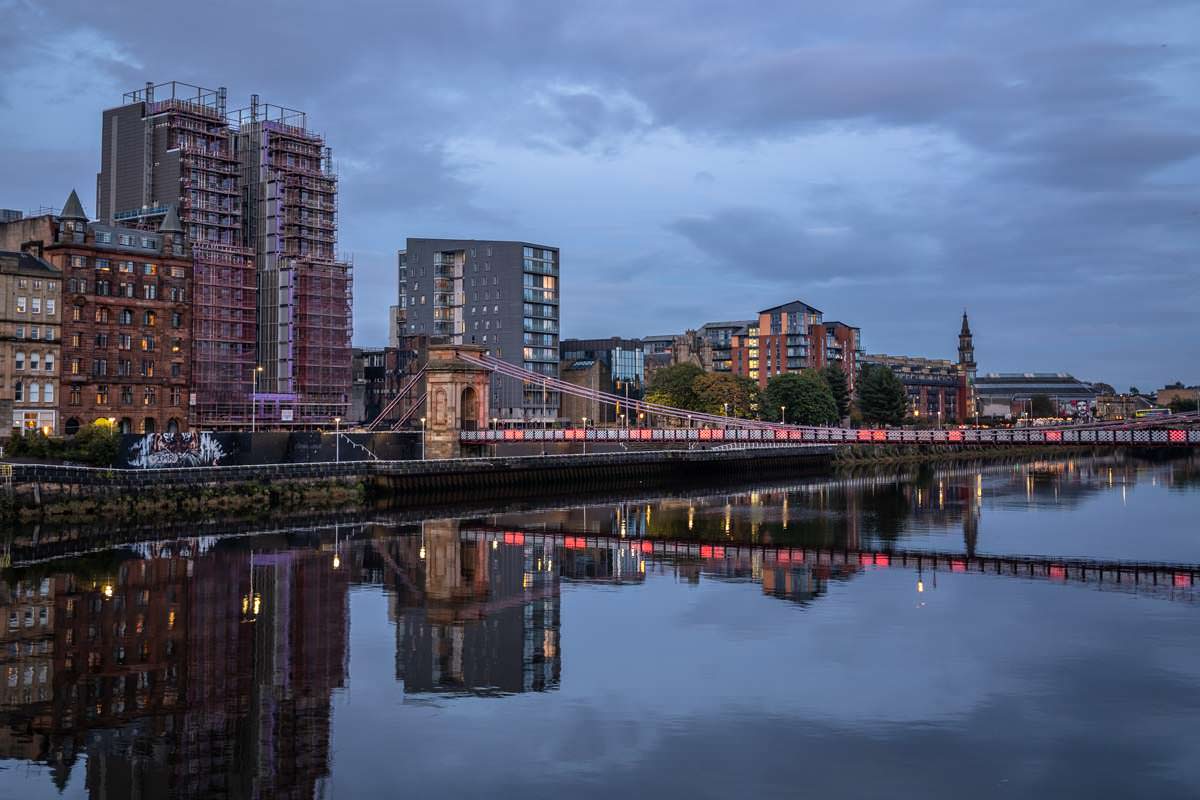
point(458, 395)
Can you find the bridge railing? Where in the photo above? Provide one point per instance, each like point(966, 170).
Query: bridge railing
point(1182, 437)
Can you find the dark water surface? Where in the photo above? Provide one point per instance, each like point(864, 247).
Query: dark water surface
point(775, 641)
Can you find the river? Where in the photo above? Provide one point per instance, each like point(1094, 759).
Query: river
point(998, 630)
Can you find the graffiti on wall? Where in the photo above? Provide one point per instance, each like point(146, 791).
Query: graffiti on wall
point(157, 450)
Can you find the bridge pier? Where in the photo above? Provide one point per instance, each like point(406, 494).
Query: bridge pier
point(458, 398)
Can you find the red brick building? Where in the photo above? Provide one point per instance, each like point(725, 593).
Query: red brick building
point(126, 330)
point(790, 338)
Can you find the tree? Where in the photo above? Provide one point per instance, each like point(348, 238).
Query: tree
point(881, 396)
point(1134, 390)
point(719, 393)
point(672, 386)
point(806, 396)
point(97, 444)
point(1041, 405)
point(835, 376)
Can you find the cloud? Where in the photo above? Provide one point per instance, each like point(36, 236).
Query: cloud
point(1031, 161)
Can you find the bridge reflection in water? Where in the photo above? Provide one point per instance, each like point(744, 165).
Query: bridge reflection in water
point(209, 667)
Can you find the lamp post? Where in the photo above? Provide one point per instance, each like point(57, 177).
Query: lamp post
point(494, 421)
point(422, 438)
point(585, 435)
point(337, 439)
point(783, 414)
point(254, 399)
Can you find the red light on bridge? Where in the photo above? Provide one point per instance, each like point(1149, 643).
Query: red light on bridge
point(514, 538)
point(1182, 579)
point(882, 560)
point(864, 436)
point(958, 566)
point(1177, 436)
point(783, 557)
point(879, 436)
point(708, 551)
point(647, 547)
point(955, 436)
point(1053, 436)
point(574, 542)
point(1058, 572)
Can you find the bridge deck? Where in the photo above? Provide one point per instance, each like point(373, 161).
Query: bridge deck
point(1136, 437)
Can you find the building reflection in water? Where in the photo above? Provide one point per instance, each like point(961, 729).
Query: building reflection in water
point(177, 674)
point(201, 669)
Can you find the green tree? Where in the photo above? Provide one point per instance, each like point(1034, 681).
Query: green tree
point(835, 376)
point(720, 393)
point(1134, 390)
point(806, 396)
point(97, 444)
point(1040, 405)
point(672, 386)
point(881, 396)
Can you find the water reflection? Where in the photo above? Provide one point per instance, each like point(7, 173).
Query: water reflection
point(211, 667)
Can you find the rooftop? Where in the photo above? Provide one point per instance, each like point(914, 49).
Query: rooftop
point(792, 306)
point(15, 262)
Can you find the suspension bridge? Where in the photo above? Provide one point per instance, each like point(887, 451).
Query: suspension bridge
point(650, 423)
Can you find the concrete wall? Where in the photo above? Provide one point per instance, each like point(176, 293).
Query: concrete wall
point(161, 450)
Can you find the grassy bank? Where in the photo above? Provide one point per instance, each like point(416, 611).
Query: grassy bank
point(244, 499)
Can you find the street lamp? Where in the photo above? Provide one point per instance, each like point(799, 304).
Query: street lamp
point(422, 438)
point(254, 399)
point(337, 439)
point(585, 436)
point(494, 421)
point(783, 414)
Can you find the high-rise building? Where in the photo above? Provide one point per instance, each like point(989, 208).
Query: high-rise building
point(251, 188)
point(501, 295)
point(171, 145)
point(622, 372)
point(793, 337)
point(304, 291)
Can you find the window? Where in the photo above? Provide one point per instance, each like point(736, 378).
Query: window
point(148, 243)
point(21, 305)
point(35, 393)
point(75, 365)
point(149, 269)
point(49, 305)
point(126, 317)
point(33, 361)
point(19, 392)
point(76, 313)
point(101, 340)
point(124, 342)
point(176, 369)
point(178, 272)
point(102, 315)
point(49, 333)
point(20, 331)
point(78, 261)
point(48, 364)
point(149, 318)
point(35, 305)
point(150, 291)
point(102, 395)
point(176, 319)
point(147, 368)
point(103, 288)
point(100, 366)
point(128, 290)
point(149, 396)
point(37, 285)
point(48, 392)
point(124, 367)
point(75, 398)
point(147, 344)
point(126, 395)
point(176, 345)
point(104, 237)
point(125, 239)
point(176, 395)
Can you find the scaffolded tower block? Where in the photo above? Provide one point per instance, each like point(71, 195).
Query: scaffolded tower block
point(171, 145)
point(304, 290)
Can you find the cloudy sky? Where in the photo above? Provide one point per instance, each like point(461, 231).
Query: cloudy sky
point(890, 163)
